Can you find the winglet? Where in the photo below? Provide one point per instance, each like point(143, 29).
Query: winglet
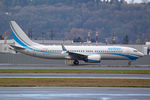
point(63, 48)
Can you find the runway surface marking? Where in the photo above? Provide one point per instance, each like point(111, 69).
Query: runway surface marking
point(99, 76)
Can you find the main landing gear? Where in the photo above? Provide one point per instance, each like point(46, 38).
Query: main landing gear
point(76, 62)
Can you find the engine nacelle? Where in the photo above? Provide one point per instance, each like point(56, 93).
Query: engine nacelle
point(93, 59)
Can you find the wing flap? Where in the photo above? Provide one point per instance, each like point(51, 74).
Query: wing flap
point(77, 56)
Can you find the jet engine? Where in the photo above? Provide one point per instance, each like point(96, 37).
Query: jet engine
point(93, 59)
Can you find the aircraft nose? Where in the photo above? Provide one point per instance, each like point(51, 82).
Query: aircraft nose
point(141, 54)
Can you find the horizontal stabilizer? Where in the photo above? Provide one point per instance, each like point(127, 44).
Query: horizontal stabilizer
point(16, 47)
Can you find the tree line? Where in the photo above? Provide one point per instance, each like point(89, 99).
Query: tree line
point(73, 19)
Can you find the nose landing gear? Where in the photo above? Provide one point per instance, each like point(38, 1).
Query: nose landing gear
point(129, 63)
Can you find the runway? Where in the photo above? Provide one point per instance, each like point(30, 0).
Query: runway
point(51, 66)
point(98, 76)
point(74, 93)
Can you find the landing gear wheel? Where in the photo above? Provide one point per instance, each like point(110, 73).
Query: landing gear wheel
point(129, 63)
point(76, 62)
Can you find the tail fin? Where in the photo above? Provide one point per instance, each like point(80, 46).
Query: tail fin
point(19, 36)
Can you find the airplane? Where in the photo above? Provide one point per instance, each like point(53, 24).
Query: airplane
point(90, 54)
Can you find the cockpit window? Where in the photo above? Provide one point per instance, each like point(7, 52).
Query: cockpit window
point(135, 51)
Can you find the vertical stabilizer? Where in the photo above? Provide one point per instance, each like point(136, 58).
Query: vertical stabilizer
point(19, 35)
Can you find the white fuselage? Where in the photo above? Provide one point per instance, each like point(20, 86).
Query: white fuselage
point(106, 52)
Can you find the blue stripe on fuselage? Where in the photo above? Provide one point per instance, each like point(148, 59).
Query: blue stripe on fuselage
point(124, 55)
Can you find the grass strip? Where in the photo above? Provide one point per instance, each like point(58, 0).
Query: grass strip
point(73, 82)
point(79, 71)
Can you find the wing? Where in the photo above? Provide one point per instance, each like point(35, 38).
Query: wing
point(77, 56)
point(74, 55)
